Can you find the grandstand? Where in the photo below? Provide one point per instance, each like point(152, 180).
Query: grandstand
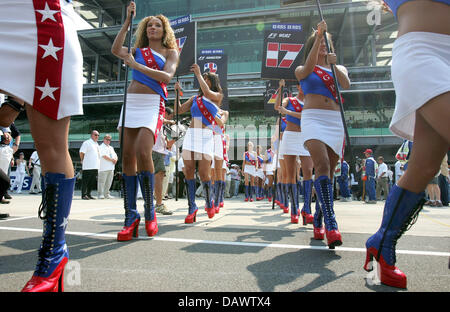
point(238, 27)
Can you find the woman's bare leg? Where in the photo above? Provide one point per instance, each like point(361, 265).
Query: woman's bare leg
point(51, 140)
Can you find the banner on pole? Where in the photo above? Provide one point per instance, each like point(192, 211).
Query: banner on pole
point(215, 61)
point(184, 30)
point(270, 95)
point(282, 51)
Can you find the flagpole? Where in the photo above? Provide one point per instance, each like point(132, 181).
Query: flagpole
point(339, 99)
point(124, 107)
point(178, 137)
point(276, 163)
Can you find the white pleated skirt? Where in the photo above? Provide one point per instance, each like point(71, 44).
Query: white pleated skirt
point(199, 140)
point(259, 173)
point(324, 125)
point(269, 167)
point(420, 72)
point(292, 144)
point(144, 111)
point(218, 146)
point(249, 169)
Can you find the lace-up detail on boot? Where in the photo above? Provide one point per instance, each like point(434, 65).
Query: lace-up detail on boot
point(319, 230)
point(324, 189)
point(192, 213)
point(325, 194)
point(53, 255)
point(146, 180)
point(132, 217)
point(292, 190)
point(127, 221)
point(209, 204)
point(306, 210)
point(400, 213)
point(390, 237)
point(47, 213)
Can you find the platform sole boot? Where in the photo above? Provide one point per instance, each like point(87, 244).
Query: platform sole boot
point(324, 190)
point(132, 218)
point(209, 203)
point(192, 212)
point(307, 217)
point(400, 213)
point(319, 229)
point(285, 188)
point(216, 194)
point(146, 182)
point(53, 254)
point(295, 211)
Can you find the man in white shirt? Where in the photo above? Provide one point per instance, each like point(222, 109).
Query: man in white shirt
point(90, 160)
point(35, 164)
point(382, 178)
point(108, 160)
point(398, 170)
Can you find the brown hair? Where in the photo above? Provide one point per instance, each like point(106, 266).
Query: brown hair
point(168, 39)
point(215, 83)
point(310, 42)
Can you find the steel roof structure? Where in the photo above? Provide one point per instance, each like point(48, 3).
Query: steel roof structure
point(357, 42)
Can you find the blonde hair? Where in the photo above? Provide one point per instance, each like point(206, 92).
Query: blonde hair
point(168, 39)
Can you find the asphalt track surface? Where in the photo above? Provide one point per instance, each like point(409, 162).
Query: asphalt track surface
point(247, 247)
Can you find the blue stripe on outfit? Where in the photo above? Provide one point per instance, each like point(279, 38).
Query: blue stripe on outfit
point(291, 108)
point(314, 85)
point(144, 79)
point(210, 106)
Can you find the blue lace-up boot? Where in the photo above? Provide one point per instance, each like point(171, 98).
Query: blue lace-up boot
point(192, 212)
point(285, 188)
point(401, 210)
point(295, 212)
point(306, 210)
point(146, 182)
point(216, 194)
point(221, 196)
point(209, 204)
point(57, 194)
point(246, 187)
point(324, 190)
point(132, 217)
point(319, 230)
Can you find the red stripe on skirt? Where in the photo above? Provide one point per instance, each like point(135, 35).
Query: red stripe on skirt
point(50, 38)
point(161, 115)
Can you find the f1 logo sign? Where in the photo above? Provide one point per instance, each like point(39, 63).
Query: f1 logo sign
point(273, 49)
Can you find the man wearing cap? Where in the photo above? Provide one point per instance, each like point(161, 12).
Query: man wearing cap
point(370, 167)
point(342, 180)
